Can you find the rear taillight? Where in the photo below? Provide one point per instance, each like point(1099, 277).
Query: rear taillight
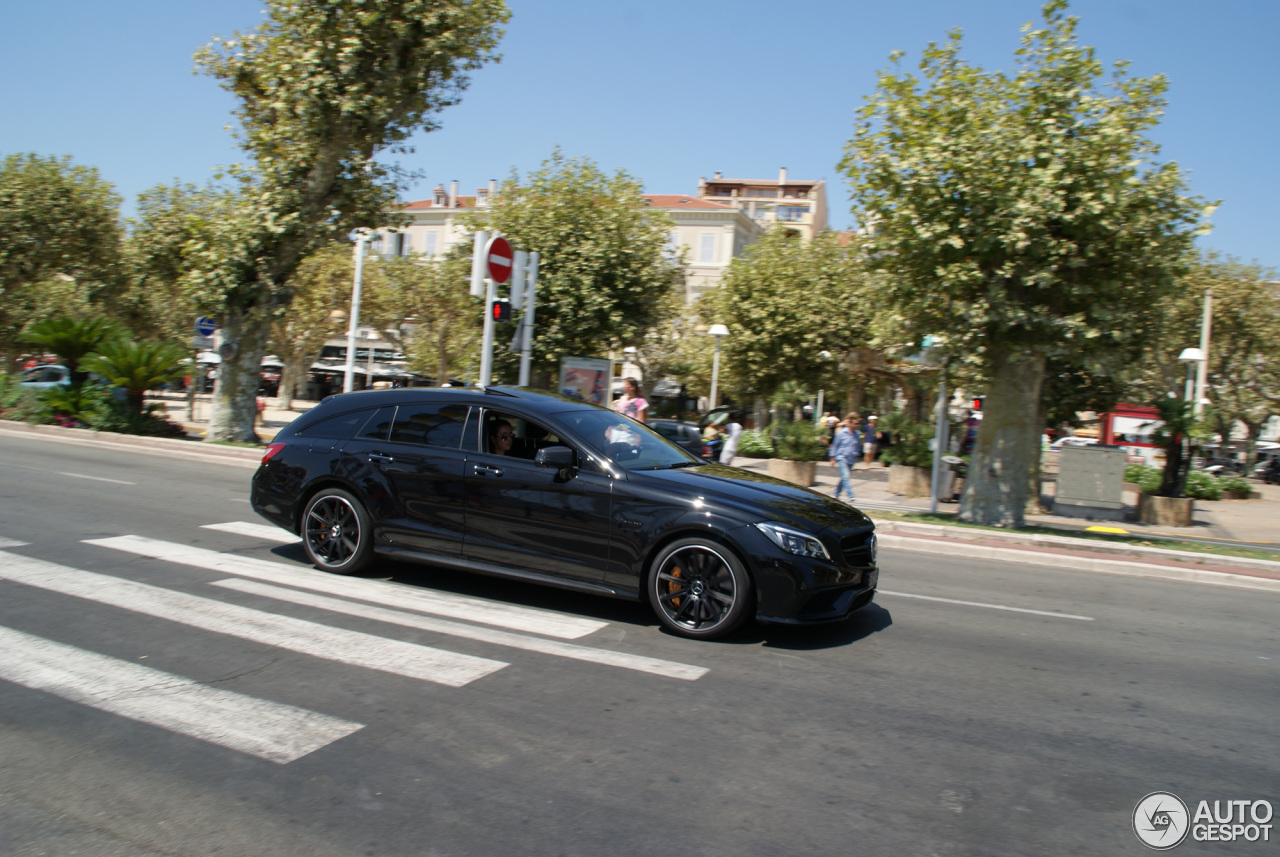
point(272, 449)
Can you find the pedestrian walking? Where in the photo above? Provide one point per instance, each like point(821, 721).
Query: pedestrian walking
point(732, 431)
point(632, 404)
point(870, 440)
point(846, 449)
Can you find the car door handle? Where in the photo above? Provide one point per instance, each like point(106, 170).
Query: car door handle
point(485, 470)
point(377, 456)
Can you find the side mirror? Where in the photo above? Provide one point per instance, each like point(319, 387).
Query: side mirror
point(559, 457)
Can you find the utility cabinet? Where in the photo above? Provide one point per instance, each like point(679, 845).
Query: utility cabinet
point(1091, 482)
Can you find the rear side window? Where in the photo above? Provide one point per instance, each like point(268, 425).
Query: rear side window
point(343, 426)
point(430, 424)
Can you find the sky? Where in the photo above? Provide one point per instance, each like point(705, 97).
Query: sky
point(667, 90)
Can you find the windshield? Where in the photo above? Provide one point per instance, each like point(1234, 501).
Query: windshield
point(629, 444)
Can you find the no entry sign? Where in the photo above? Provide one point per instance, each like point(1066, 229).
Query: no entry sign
point(498, 259)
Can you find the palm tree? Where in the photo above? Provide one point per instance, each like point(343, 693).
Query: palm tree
point(72, 340)
point(137, 367)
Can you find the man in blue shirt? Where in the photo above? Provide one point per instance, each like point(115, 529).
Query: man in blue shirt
point(846, 449)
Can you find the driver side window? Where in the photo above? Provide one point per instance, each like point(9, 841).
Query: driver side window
point(514, 436)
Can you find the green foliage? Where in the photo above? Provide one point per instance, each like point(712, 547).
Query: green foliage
point(1144, 476)
point(602, 276)
point(326, 88)
point(910, 446)
point(72, 340)
point(115, 414)
point(754, 443)
point(1023, 219)
point(785, 303)
point(1235, 484)
point(59, 240)
point(138, 366)
point(429, 295)
point(799, 442)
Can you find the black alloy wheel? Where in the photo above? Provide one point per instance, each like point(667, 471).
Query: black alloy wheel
point(336, 532)
point(699, 589)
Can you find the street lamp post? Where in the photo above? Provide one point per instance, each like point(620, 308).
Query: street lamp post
point(719, 331)
point(1192, 357)
point(362, 237)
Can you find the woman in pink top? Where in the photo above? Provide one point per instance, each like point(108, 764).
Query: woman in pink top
point(632, 403)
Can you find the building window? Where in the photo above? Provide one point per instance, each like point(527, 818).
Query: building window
point(763, 192)
point(672, 249)
point(707, 247)
point(792, 213)
point(429, 246)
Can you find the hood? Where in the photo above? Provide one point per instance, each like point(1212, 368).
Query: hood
point(763, 497)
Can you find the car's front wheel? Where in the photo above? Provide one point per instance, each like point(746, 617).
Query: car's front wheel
point(699, 589)
point(336, 532)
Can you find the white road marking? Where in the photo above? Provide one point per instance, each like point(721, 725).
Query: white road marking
point(94, 478)
point(285, 632)
point(65, 473)
point(269, 730)
point(988, 606)
point(12, 543)
point(374, 591)
point(257, 531)
point(640, 663)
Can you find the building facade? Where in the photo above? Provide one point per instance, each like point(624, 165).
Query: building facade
point(799, 206)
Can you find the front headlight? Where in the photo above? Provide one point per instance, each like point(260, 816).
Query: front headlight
point(793, 541)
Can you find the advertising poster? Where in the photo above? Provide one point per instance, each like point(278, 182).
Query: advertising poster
point(585, 378)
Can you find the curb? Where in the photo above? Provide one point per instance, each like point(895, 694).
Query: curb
point(1041, 550)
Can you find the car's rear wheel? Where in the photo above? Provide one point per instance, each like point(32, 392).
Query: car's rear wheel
point(336, 532)
point(699, 589)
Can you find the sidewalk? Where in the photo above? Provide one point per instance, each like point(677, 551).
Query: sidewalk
point(1227, 520)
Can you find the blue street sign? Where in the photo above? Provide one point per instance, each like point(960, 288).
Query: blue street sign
point(205, 326)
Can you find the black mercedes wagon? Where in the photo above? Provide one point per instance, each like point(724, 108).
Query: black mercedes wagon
point(539, 487)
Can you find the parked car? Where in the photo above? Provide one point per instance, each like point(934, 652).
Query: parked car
point(680, 433)
point(46, 376)
point(584, 499)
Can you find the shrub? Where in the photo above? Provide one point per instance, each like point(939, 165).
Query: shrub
point(910, 445)
point(800, 442)
point(1235, 484)
point(1145, 477)
point(755, 444)
point(1203, 486)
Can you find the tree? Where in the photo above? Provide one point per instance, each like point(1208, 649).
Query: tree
point(425, 308)
point(1020, 218)
point(602, 275)
point(59, 242)
point(1243, 373)
point(785, 304)
point(73, 340)
point(138, 367)
point(324, 87)
point(321, 292)
point(155, 302)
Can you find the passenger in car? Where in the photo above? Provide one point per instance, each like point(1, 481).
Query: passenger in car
point(500, 437)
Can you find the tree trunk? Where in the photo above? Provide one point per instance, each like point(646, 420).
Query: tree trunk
point(239, 376)
point(996, 488)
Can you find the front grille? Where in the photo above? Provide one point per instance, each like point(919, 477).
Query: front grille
point(859, 550)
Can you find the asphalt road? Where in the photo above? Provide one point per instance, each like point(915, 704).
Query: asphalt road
point(196, 691)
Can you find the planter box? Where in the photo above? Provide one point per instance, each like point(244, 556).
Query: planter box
point(1240, 495)
point(1165, 511)
point(802, 473)
point(910, 481)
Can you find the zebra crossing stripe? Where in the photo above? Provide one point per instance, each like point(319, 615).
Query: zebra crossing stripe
point(373, 591)
point(11, 543)
point(285, 632)
point(269, 730)
point(257, 531)
point(608, 657)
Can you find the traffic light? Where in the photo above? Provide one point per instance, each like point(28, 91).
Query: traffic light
point(977, 402)
point(502, 310)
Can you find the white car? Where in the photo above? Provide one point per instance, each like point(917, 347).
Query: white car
point(1073, 441)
